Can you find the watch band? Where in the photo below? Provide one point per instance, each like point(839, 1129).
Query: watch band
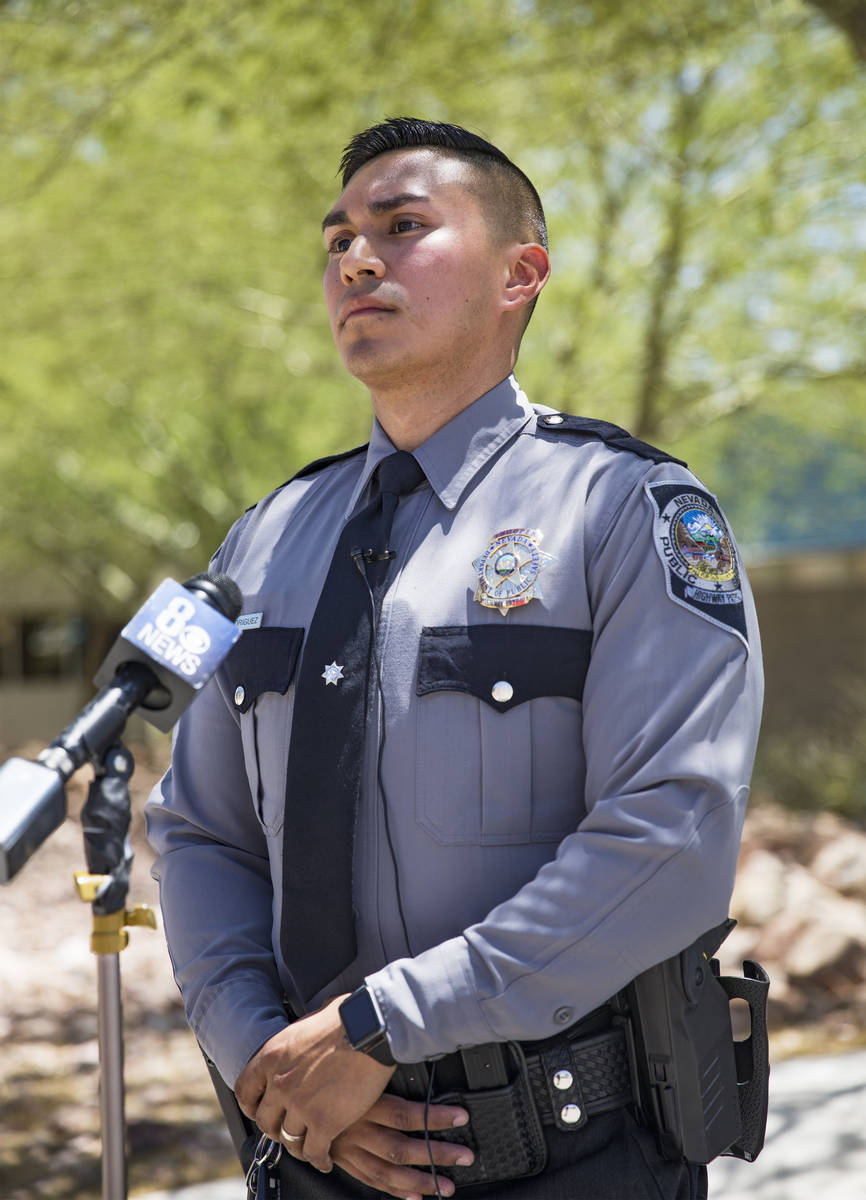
point(381, 1051)
point(364, 1026)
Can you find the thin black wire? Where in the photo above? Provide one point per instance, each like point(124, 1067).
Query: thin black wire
point(380, 701)
point(427, 1129)
point(380, 696)
point(259, 783)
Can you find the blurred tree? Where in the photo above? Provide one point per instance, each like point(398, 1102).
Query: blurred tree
point(166, 354)
point(850, 16)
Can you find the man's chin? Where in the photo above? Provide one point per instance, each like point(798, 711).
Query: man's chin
point(372, 364)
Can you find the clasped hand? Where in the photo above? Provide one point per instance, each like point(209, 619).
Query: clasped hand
point(307, 1081)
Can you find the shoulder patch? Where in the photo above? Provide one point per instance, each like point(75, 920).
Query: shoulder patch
point(612, 435)
point(702, 571)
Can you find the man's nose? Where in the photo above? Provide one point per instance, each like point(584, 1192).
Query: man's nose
point(360, 259)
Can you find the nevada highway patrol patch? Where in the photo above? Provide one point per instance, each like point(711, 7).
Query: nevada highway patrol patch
point(698, 554)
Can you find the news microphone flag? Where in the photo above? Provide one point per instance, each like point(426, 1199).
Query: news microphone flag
point(182, 638)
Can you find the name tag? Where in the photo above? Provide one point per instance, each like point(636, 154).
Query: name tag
point(249, 620)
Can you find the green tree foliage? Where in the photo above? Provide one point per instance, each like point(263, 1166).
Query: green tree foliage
point(163, 167)
point(850, 16)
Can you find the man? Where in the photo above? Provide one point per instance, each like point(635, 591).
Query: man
point(542, 776)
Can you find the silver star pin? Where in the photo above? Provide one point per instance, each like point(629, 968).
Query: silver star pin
point(332, 674)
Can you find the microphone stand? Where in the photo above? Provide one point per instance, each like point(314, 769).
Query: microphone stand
point(105, 821)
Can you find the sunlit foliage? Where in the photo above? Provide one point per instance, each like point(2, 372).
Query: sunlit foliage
point(163, 168)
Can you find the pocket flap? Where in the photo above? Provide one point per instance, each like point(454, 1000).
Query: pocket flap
point(263, 660)
point(504, 666)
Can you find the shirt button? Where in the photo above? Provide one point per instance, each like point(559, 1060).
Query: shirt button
point(554, 419)
point(240, 696)
point(502, 691)
point(563, 1016)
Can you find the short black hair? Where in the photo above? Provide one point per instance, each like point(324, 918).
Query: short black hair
point(510, 198)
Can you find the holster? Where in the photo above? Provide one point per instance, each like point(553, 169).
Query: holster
point(702, 1093)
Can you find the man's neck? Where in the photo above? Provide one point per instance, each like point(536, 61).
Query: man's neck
point(412, 414)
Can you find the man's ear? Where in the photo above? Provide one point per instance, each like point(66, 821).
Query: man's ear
point(528, 270)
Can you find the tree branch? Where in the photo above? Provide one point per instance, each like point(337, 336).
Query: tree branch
point(89, 117)
point(658, 331)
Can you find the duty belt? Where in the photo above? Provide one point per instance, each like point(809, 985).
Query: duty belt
point(572, 1081)
point(513, 1090)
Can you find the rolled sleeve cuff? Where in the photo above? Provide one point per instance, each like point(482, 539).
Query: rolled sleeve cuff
point(233, 1024)
point(429, 1003)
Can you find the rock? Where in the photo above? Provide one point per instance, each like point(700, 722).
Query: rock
point(804, 894)
point(827, 826)
point(824, 956)
point(841, 864)
point(789, 834)
point(759, 891)
point(831, 946)
point(784, 1002)
point(767, 886)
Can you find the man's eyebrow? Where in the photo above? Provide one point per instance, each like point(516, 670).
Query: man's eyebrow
point(339, 216)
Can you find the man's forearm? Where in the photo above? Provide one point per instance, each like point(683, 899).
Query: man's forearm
point(224, 968)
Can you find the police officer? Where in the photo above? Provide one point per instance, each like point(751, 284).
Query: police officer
point(539, 742)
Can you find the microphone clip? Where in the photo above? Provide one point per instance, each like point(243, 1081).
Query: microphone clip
point(372, 556)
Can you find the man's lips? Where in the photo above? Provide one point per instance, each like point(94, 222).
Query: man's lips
point(363, 308)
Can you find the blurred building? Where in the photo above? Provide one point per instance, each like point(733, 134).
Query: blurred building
point(43, 645)
point(811, 605)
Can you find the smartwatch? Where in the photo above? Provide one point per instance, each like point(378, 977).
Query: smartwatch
point(364, 1026)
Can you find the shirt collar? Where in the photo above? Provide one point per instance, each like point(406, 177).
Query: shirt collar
point(455, 453)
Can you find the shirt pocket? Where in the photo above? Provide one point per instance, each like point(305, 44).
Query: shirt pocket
point(500, 750)
point(258, 672)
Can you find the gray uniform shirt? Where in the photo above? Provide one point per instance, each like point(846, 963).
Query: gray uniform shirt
point(550, 846)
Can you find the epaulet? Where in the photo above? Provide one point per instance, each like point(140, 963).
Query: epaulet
point(612, 435)
point(317, 464)
point(320, 463)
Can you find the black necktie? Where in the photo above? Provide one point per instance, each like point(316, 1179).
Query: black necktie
point(327, 745)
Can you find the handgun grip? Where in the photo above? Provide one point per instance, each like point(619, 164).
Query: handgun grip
point(752, 1059)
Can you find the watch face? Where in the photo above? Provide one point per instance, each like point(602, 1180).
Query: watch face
point(360, 1019)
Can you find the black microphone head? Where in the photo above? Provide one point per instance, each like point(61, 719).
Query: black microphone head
point(219, 591)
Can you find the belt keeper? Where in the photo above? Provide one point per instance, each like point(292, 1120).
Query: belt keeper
point(562, 1080)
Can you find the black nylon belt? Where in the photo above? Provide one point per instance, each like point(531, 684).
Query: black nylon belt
point(590, 1072)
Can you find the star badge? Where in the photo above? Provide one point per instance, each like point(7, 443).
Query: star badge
point(332, 674)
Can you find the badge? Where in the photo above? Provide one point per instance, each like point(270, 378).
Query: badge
point(508, 569)
point(332, 673)
point(699, 555)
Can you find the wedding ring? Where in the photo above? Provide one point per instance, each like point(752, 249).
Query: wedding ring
point(291, 1137)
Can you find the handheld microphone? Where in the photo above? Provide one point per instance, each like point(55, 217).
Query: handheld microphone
point(159, 662)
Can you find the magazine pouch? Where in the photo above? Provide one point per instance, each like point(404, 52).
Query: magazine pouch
point(504, 1130)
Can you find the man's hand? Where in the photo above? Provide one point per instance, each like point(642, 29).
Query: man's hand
point(307, 1080)
point(377, 1151)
